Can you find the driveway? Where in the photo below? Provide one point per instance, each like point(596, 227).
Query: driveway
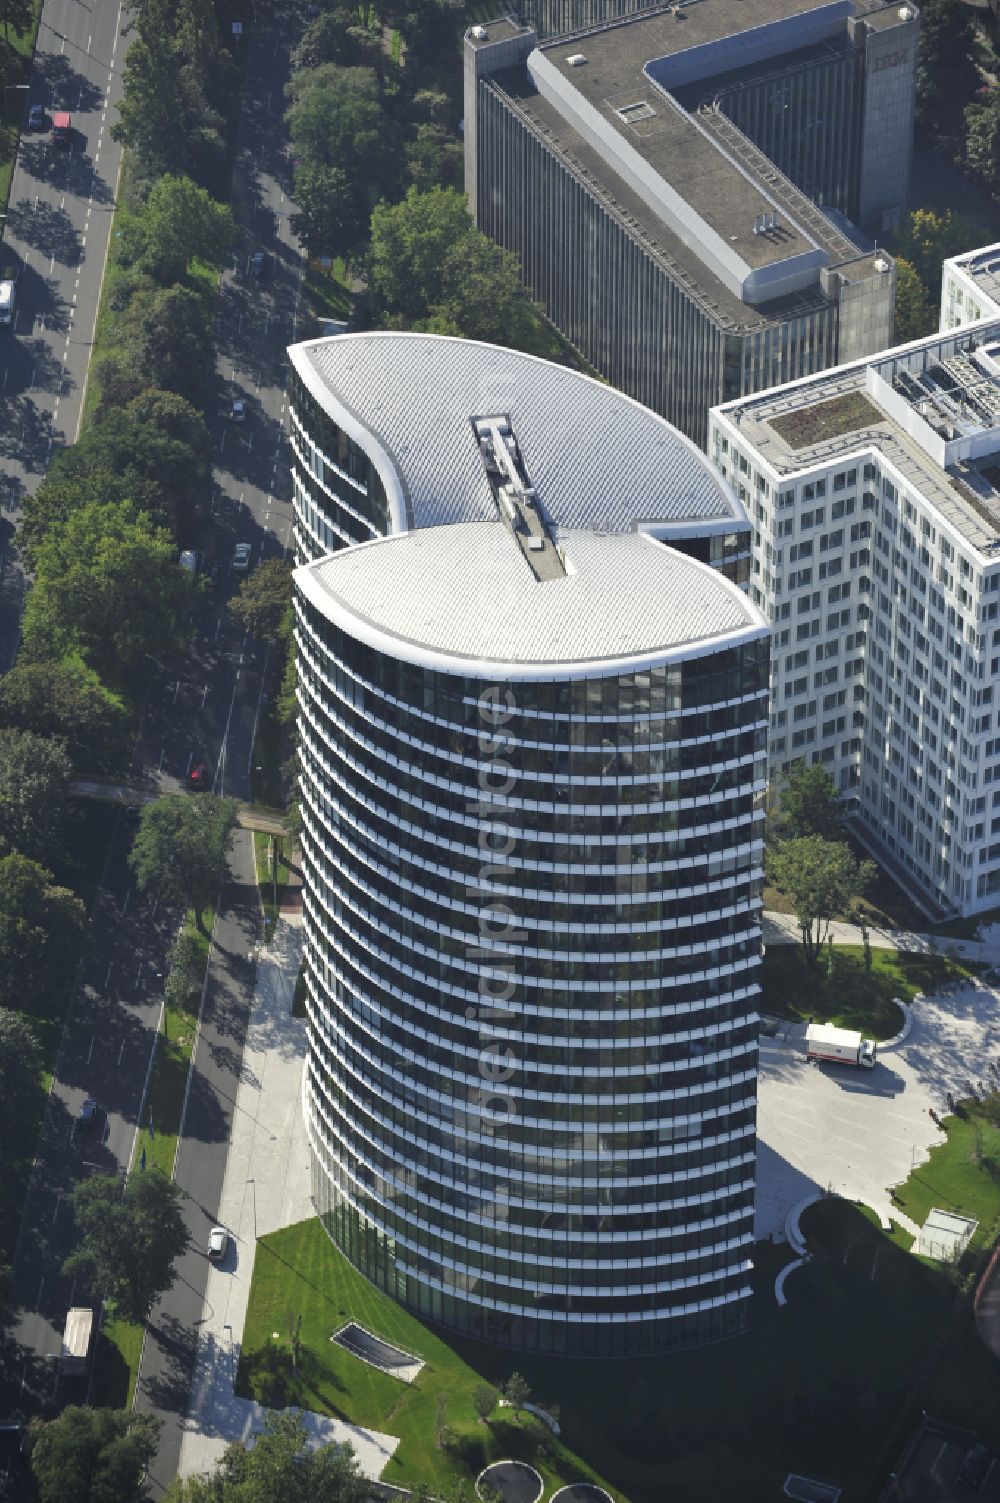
point(859, 1132)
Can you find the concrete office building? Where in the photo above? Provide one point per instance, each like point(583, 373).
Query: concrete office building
point(642, 171)
point(532, 743)
point(874, 493)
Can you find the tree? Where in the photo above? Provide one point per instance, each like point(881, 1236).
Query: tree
point(434, 157)
point(914, 314)
point(822, 878)
point(107, 586)
point(809, 802)
point(67, 700)
point(484, 1401)
point(264, 600)
point(159, 444)
point(431, 268)
point(335, 36)
point(40, 929)
point(179, 223)
point(333, 211)
point(947, 76)
point(35, 775)
point(280, 1468)
point(343, 141)
point(94, 1455)
point(17, 16)
point(130, 1235)
point(925, 239)
point(982, 137)
point(182, 847)
point(20, 1067)
point(516, 1392)
point(172, 331)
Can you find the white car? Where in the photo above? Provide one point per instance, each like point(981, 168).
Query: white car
point(241, 557)
point(218, 1241)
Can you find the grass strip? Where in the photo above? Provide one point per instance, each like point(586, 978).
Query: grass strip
point(272, 874)
point(116, 1364)
point(23, 43)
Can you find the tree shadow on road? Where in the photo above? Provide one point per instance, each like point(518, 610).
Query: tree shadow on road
point(68, 88)
point(46, 228)
point(27, 433)
point(170, 1389)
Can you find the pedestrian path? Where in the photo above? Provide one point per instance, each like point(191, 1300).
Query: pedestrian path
point(783, 929)
point(267, 1186)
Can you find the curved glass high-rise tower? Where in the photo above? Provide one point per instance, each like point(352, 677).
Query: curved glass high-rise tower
point(532, 777)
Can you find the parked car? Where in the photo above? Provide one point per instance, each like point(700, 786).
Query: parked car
point(62, 128)
point(218, 1242)
point(238, 411)
point(198, 776)
point(257, 264)
point(213, 571)
point(37, 118)
point(241, 558)
point(87, 1115)
point(191, 561)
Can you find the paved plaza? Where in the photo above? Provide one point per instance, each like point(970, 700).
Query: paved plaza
point(267, 1187)
point(859, 1132)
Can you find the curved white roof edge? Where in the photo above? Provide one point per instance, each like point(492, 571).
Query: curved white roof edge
point(404, 649)
point(368, 437)
point(364, 437)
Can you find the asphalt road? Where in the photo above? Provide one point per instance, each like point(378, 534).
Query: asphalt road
point(201, 708)
point(104, 1053)
point(169, 1350)
point(57, 230)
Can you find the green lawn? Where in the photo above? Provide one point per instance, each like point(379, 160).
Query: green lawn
point(23, 43)
point(962, 1173)
point(328, 293)
point(117, 1360)
point(299, 1272)
point(869, 1335)
point(270, 891)
point(843, 992)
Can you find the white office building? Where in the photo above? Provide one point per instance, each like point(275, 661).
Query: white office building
point(874, 494)
point(533, 753)
point(970, 288)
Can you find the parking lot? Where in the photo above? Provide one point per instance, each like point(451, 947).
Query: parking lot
point(859, 1132)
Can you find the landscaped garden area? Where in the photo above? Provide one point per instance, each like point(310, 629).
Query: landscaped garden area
point(871, 1335)
point(842, 990)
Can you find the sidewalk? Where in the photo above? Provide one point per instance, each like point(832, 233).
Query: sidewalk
point(783, 929)
point(267, 1186)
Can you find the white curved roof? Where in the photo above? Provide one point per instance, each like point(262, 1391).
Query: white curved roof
point(595, 457)
point(462, 599)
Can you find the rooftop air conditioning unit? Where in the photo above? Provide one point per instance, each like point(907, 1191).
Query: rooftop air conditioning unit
point(575, 60)
point(479, 33)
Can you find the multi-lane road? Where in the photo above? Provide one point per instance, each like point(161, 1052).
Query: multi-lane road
point(202, 707)
point(57, 233)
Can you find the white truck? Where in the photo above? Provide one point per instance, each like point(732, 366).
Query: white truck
point(839, 1046)
point(8, 302)
point(76, 1342)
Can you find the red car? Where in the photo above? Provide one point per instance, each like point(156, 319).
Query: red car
point(198, 776)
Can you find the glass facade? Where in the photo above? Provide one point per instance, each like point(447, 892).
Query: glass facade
point(532, 951)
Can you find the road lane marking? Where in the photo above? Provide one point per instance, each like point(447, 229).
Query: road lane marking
point(108, 976)
point(125, 904)
point(38, 1302)
point(90, 1051)
point(55, 1213)
point(121, 1051)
